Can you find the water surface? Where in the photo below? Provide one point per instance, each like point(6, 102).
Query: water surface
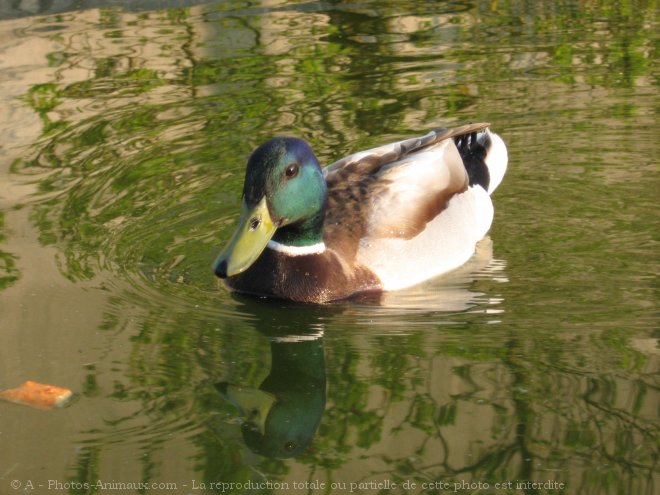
point(124, 137)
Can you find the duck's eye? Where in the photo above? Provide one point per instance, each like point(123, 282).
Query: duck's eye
point(291, 170)
point(290, 446)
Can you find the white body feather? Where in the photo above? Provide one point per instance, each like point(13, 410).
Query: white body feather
point(401, 263)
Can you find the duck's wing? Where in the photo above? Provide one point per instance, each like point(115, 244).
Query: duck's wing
point(395, 190)
point(364, 162)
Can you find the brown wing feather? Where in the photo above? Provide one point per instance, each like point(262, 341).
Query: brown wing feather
point(356, 182)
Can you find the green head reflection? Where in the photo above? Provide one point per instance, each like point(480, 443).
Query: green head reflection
point(282, 416)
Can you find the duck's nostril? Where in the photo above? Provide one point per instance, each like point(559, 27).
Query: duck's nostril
point(221, 269)
point(254, 223)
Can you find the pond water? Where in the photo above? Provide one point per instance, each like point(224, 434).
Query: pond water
point(124, 136)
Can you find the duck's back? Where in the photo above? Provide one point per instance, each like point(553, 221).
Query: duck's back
point(414, 209)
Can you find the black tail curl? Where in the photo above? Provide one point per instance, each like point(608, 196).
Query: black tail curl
point(473, 149)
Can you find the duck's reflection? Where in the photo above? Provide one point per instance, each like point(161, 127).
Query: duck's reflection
point(281, 417)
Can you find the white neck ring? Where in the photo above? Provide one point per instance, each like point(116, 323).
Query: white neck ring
point(297, 250)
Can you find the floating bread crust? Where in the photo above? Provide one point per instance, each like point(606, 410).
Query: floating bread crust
point(37, 395)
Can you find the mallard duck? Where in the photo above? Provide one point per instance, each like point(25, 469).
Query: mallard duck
point(378, 220)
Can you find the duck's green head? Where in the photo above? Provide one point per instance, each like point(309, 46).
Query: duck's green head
point(284, 198)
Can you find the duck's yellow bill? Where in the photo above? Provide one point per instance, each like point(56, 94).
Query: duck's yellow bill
point(254, 405)
point(255, 229)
